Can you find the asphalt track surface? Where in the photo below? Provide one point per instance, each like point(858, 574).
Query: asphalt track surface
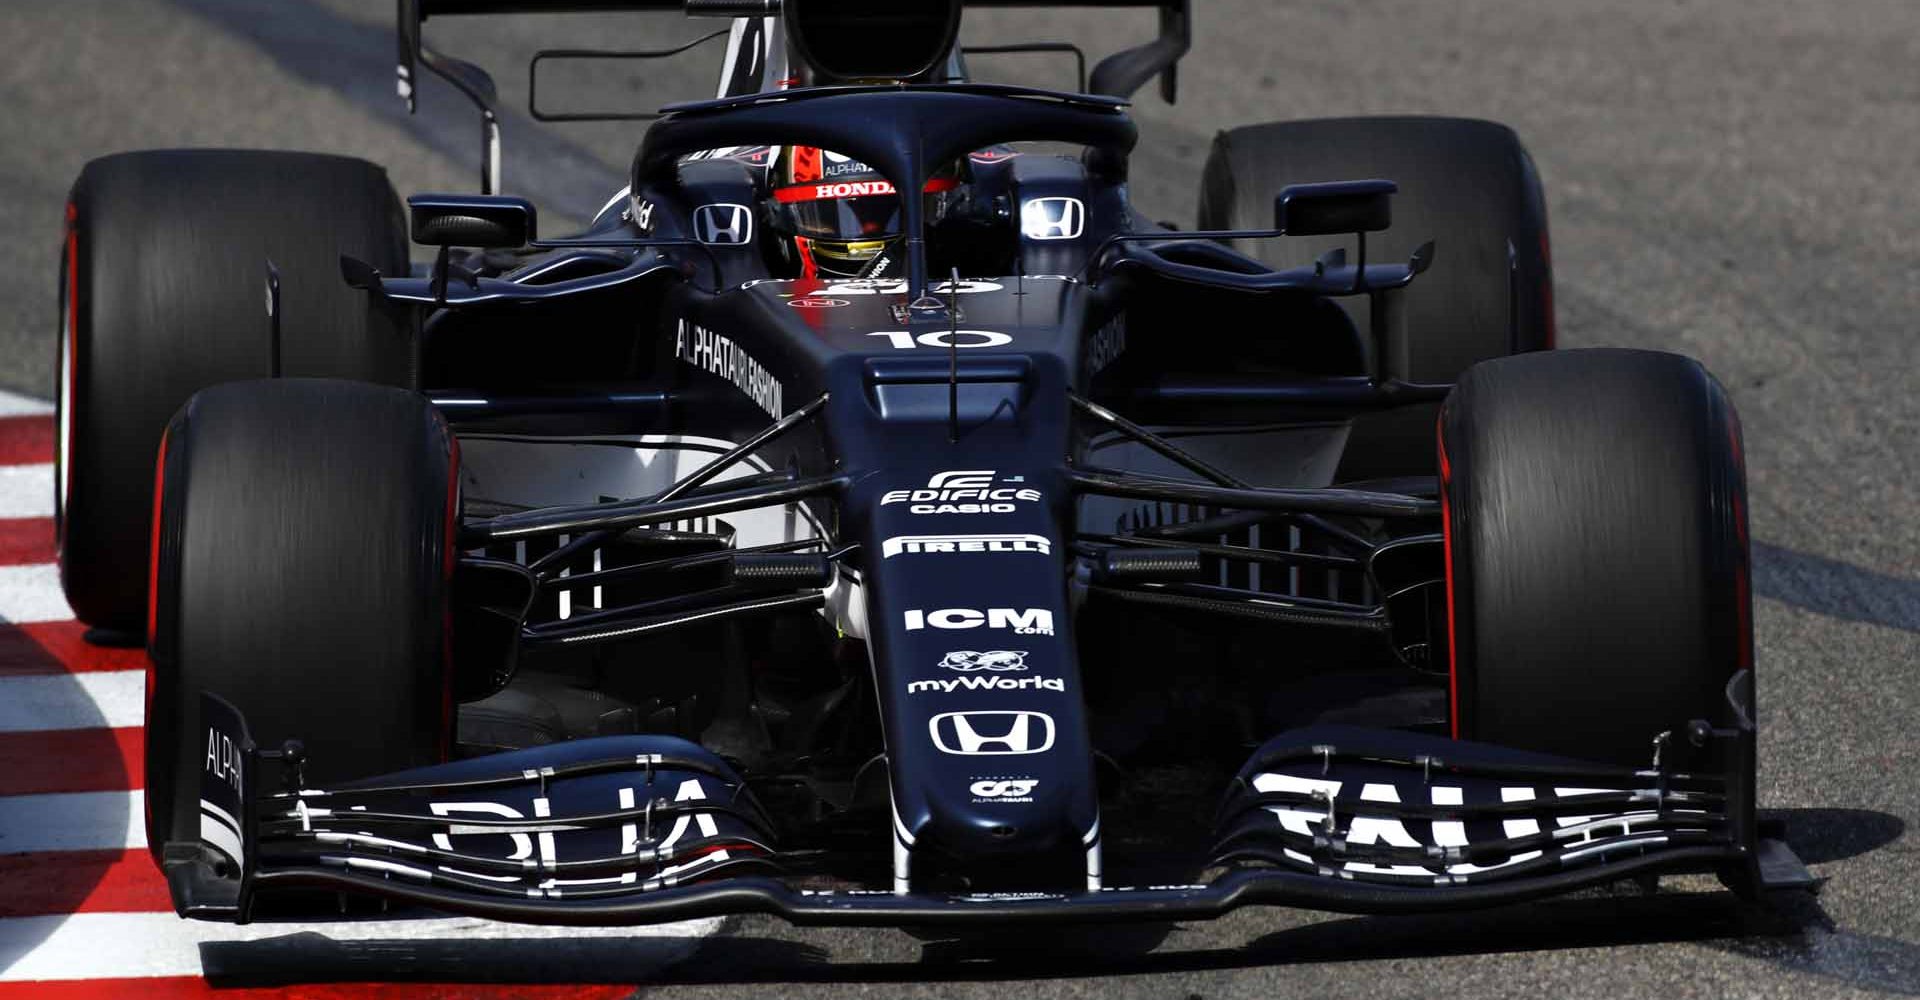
point(1733, 179)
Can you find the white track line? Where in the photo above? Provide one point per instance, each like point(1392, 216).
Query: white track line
point(72, 821)
point(32, 594)
point(111, 699)
point(26, 490)
point(12, 404)
point(116, 945)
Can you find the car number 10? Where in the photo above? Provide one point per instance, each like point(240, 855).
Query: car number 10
point(904, 340)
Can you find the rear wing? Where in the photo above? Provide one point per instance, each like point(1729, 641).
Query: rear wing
point(1120, 74)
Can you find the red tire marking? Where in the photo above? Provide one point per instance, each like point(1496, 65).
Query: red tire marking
point(72, 372)
point(26, 440)
point(1446, 545)
point(73, 760)
point(153, 616)
point(36, 885)
point(60, 648)
point(153, 547)
point(25, 541)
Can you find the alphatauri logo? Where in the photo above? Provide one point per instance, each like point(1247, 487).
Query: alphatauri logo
point(1004, 789)
point(1023, 621)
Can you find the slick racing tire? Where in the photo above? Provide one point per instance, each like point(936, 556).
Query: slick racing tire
point(1467, 185)
point(164, 292)
point(303, 547)
point(1596, 547)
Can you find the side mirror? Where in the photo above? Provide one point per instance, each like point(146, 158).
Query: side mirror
point(1334, 208)
point(488, 221)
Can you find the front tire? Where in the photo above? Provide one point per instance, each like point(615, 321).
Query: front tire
point(163, 282)
point(1468, 185)
point(303, 550)
point(1597, 554)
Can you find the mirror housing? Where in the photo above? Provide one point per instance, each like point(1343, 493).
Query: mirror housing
point(1334, 208)
point(487, 221)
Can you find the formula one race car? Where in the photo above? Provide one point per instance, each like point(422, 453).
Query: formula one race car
point(870, 518)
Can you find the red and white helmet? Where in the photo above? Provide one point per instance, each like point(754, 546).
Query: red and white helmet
point(845, 216)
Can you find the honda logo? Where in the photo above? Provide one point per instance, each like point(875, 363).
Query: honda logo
point(724, 225)
point(1053, 218)
point(984, 734)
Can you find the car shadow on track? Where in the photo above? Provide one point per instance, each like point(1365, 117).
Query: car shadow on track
point(1831, 587)
point(66, 835)
point(1792, 932)
point(1596, 921)
point(308, 956)
point(1788, 927)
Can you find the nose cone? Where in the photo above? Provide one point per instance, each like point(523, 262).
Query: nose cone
point(971, 636)
point(999, 812)
point(1007, 792)
point(1008, 773)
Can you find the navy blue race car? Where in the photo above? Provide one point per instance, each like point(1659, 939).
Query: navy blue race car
point(872, 518)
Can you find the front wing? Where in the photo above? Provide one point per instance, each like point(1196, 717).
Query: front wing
point(645, 829)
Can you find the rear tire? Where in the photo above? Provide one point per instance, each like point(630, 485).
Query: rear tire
point(1467, 185)
point(165, 277)
point(303, 551)
point(1597, 551)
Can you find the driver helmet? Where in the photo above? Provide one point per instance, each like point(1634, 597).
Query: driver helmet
point(845, 217)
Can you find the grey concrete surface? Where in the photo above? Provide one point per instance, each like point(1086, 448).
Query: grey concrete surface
point(1733, 179)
